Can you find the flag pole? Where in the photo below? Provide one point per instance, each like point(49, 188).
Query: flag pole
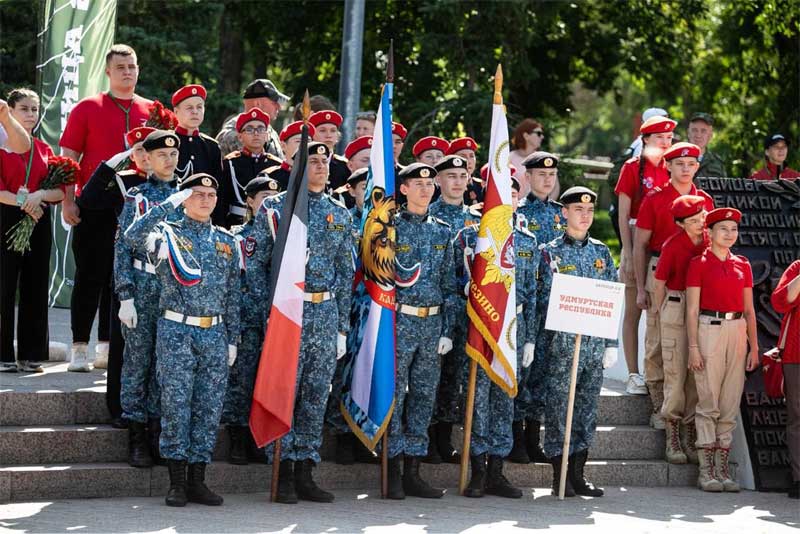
point(568, 427)
point(473, 366)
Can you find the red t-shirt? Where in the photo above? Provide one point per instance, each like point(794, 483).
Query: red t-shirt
point(721, 283)
point(780, 301)
point(628, 183)
point(655, 215)
point(676, 253)
point(13, 167)
point(770, 172)
point(96, 129)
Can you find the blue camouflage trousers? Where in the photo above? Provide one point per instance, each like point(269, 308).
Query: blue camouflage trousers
point(532, 397)
point(192, 364)
point(587, 391)
point(452, 395)
point(333, 415)
point(416, 382)
point(315, 366)
point(242, 378)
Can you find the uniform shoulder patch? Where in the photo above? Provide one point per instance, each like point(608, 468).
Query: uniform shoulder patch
point(233, 155)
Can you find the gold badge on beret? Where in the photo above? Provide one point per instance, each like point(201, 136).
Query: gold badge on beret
point(169, 141)
point(272, 185)
point(433, 142)
point(586, 197)
point(194, 90)
point(369, 141)
point(253, 114)
point(327, 116)
point(424, 173)
point(206, 182)
point(469, 143)
point(728, 214)
point(548, 162)
point(138, 135)
point(457, 162)
point(320, 149)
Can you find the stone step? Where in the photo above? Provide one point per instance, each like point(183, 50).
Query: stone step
point(68, 481)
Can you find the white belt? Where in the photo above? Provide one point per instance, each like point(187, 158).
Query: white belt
point(147, 267)
point(238, 210)
point(519, 308)
point(317, 298)
point(418, 311)
point(202, 322)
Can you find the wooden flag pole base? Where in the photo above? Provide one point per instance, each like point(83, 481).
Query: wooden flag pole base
point(568, 428)
point(276, 465)
point(385, 465)
point(473, 371)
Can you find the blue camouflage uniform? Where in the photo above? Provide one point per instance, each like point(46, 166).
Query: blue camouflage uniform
point(191, 361)
point(589, 258)
point(326, 311)
point(426, 279)
point(135, 278)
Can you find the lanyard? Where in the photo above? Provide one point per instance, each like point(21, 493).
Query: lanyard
point(127, 112)
point(30, 164)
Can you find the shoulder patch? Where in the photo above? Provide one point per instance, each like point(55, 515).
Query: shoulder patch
point(132, 192)
point(233, 155)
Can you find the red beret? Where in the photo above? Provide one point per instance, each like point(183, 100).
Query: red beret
point(137, 135)
point(429, 143)
point(357, 145)
point(485, 172)
point(723, 214)
point(682, 150)
point(462, 143)
point(295, 128)
point(399, 129)
point(326, 116)
point(188, 91)
point(254, 114)
point(657, 125)
point(687, 206)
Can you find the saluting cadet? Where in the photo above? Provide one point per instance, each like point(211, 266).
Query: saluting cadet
point(138, 290)
point(680, 393)
point(494, 409)
point(326, 320)
point(426, 294)
point(327, 123)
point(574, 253)
point(721, 323)
point(654, 225)
point(466, 147)
point(198, 152)
point(290, 141)
point(197, 332)
point(241, 166)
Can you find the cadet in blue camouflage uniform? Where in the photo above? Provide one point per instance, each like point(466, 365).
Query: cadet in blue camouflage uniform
point(199, 271)
point(545, 221)
point(326, 320)
point(575, 254)
point(426, 300)
point(138, 290)
point(453, 179)
point(494, 409)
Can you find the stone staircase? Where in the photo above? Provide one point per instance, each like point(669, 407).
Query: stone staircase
point(56, 443)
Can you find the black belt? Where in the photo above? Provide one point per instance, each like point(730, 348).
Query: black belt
point(722, 315)
point(674, 299)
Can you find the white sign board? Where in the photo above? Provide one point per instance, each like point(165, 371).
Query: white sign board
point(585, 306)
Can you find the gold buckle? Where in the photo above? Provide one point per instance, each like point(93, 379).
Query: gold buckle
point(422, 312)
point(205, 322)
point(317, 298)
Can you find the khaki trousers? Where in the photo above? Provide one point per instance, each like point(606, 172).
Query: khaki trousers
point(723, 346)
point(653, 363)
point(680, 392)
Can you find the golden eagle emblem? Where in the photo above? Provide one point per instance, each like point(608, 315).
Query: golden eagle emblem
point(379, 240)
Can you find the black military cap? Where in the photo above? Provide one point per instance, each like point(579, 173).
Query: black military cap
point(161, 139)
point(451, 162)
point(261, 183)
point(701, 116)
point(416, 170)
point(315, 148)
point(264, 88)
point(774, 138)
point(541, 160)
point(577, 194)
point(201, 178)
point(358, 176)
point(515, 183)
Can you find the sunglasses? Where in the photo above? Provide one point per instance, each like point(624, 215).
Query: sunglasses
point(540, 133)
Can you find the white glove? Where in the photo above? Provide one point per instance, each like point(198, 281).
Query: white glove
point(231, 355)
point(445, 345)
point(127, 313)
point(610, 357)
point(176, 199)
point(115, 160)
point(527, 354)
point(341, 346)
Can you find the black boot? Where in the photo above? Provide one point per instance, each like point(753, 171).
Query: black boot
point(286, 491)
point(555, 461)
point(533, 442)
point(433, 456)
point(575, 473)
point(237, 451)
point(153, 437)
point(413, 484)
point(396, 478)
point(362, 454)
point(345, 449)
point(138, 452)
point(497, 483)
point(307, 489)
point(477, 481)
point(519, 452)
point(444, 432)
point(196, 489)
point(254, 452)
point(176, 496)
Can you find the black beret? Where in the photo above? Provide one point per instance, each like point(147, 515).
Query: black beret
point(541, 160)
point(701, 116)
point(451, 162)
point(261, 183)
point(201, 178)
point(359, 175)
point(316, 148)
point(515, 183)
point(264, 88)
point(161, 139)
point(416, 170)
point(576, 194)
point(774, 138)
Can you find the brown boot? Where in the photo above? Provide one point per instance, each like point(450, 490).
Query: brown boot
point(706, 479)
point(656, 390)
point(674, 454)
point(688, 442)
point(723, 470)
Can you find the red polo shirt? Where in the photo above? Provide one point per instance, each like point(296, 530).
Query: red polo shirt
point(655, 215)
point(13, 167)
point(721, 283)
point(676, 253)
point(791, 323)
point(629, 183)
point(96, 129)
point(770, 172)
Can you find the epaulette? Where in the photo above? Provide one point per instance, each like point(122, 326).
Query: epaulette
point(524, 230)
point(233, 155)
point(237, 229)
point(596, 241)
point(337, 202)
point(340, 158)
point(208, 138)
point(274, 158)
point(437, 220)
point(128, 172)
point(476, 210)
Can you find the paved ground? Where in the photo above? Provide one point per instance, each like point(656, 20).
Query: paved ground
point(634, 510)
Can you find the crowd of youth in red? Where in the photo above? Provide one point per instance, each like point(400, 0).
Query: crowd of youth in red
point(676, 264)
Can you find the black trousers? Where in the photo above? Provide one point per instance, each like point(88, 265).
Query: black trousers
point(114, 371)
point(30, 274)
point(93, 249)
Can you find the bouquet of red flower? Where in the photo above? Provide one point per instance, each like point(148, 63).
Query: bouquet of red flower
point(160, 117)
point(61, 171)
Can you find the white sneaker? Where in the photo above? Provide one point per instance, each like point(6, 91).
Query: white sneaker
point(101, 355)
point(78, 360)
point(636, 385)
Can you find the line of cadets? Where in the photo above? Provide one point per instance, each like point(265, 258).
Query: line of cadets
point(181, 306)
